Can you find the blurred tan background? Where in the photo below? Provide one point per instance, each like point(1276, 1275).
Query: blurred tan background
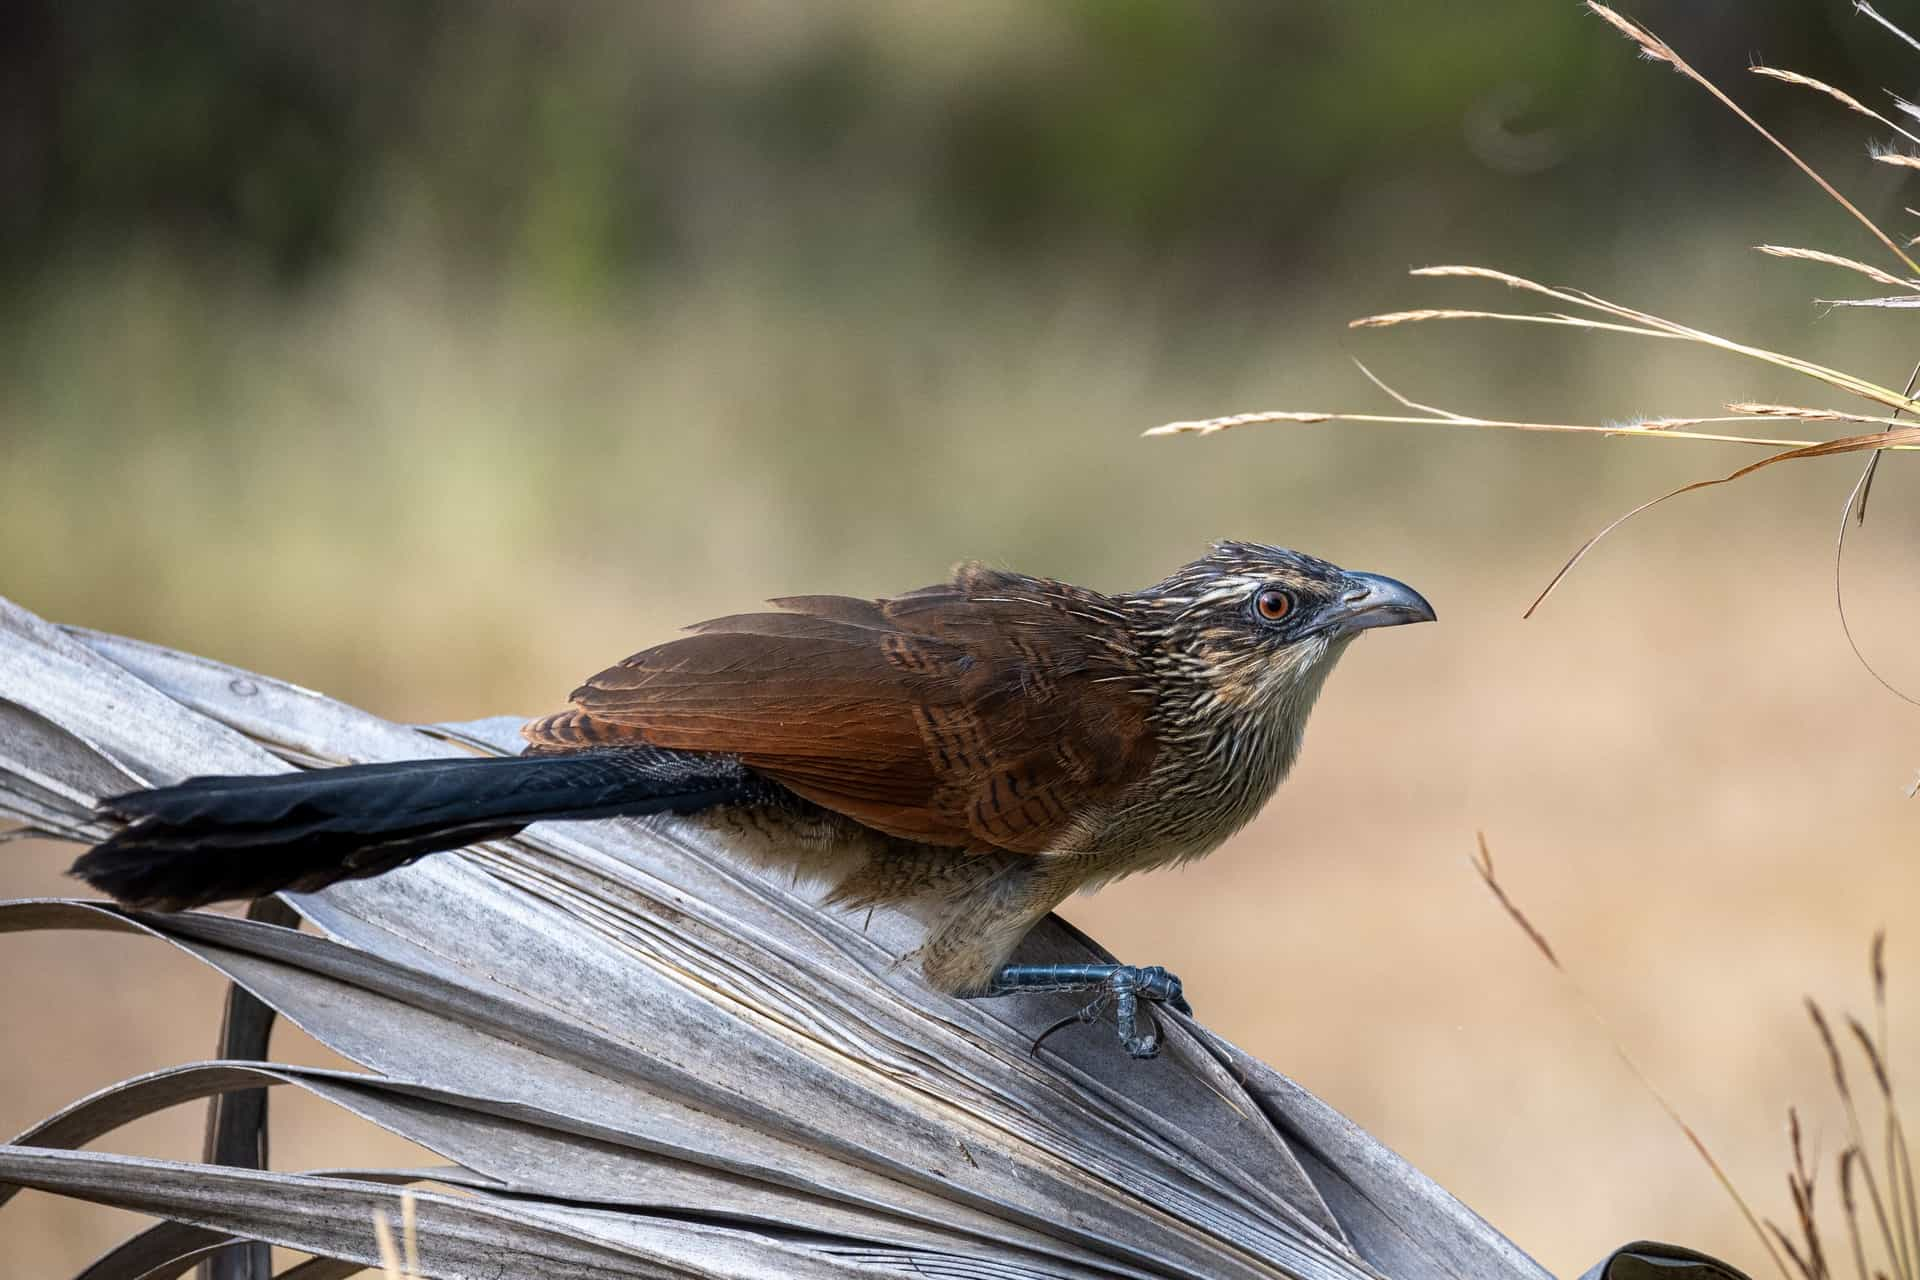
point(435, 356)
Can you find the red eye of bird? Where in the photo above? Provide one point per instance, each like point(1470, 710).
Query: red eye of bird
point(1273, 604)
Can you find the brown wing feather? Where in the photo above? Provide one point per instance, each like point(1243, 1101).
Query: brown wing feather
point(978, 713)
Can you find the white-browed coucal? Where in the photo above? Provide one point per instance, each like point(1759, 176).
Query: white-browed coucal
point(973, 752)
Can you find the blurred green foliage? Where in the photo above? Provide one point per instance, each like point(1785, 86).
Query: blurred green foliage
point(582, 145)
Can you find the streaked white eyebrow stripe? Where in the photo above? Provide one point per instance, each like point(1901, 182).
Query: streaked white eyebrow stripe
point(1238, 586)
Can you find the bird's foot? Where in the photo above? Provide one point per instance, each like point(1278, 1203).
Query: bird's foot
point(1125, 985)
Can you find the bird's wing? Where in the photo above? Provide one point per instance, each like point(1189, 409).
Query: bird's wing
point(994, 711)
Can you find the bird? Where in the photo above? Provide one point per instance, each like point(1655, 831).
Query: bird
point(972, 752)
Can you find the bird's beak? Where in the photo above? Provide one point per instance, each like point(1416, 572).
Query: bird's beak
point(1371, 600)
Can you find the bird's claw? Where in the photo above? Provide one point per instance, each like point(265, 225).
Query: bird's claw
point(1157, 984)
point(1127, 986)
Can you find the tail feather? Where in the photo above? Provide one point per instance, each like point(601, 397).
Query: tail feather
point(217, 838)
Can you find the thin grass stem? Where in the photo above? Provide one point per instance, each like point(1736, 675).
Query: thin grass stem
point(1483, 865)
point(1660, 51)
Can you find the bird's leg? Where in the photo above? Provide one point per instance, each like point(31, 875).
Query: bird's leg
point(1126, 984)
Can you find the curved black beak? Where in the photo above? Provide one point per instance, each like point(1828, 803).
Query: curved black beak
point(1372, 600)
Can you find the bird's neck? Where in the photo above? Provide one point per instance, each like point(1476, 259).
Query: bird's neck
point(1226, 746)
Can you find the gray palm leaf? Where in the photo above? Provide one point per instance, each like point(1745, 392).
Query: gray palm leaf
point(640, 1059)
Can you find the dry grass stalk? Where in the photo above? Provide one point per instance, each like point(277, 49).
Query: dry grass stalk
point(1645, 324)
point(1849, 1158)
point(1895, 438)
point(1652, 428)
point(1658, 50)
point(391, 1266)
point(1861, 6)
point(1483, 866)
point(1810, 1258)
point(1845, 99)
point(1841, 96)
point(1890, 1187)
point(1833, 259)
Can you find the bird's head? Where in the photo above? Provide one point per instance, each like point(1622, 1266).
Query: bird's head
point(1258, 628)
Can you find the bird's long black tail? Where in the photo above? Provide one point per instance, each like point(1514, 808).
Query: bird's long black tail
point(218, 838)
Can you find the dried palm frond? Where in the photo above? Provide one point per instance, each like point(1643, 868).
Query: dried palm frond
point(640, 1059)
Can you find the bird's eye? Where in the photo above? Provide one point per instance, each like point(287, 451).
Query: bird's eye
point(1273, 604)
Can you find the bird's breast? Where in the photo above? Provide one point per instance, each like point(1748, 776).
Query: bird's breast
point(1199, 793)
